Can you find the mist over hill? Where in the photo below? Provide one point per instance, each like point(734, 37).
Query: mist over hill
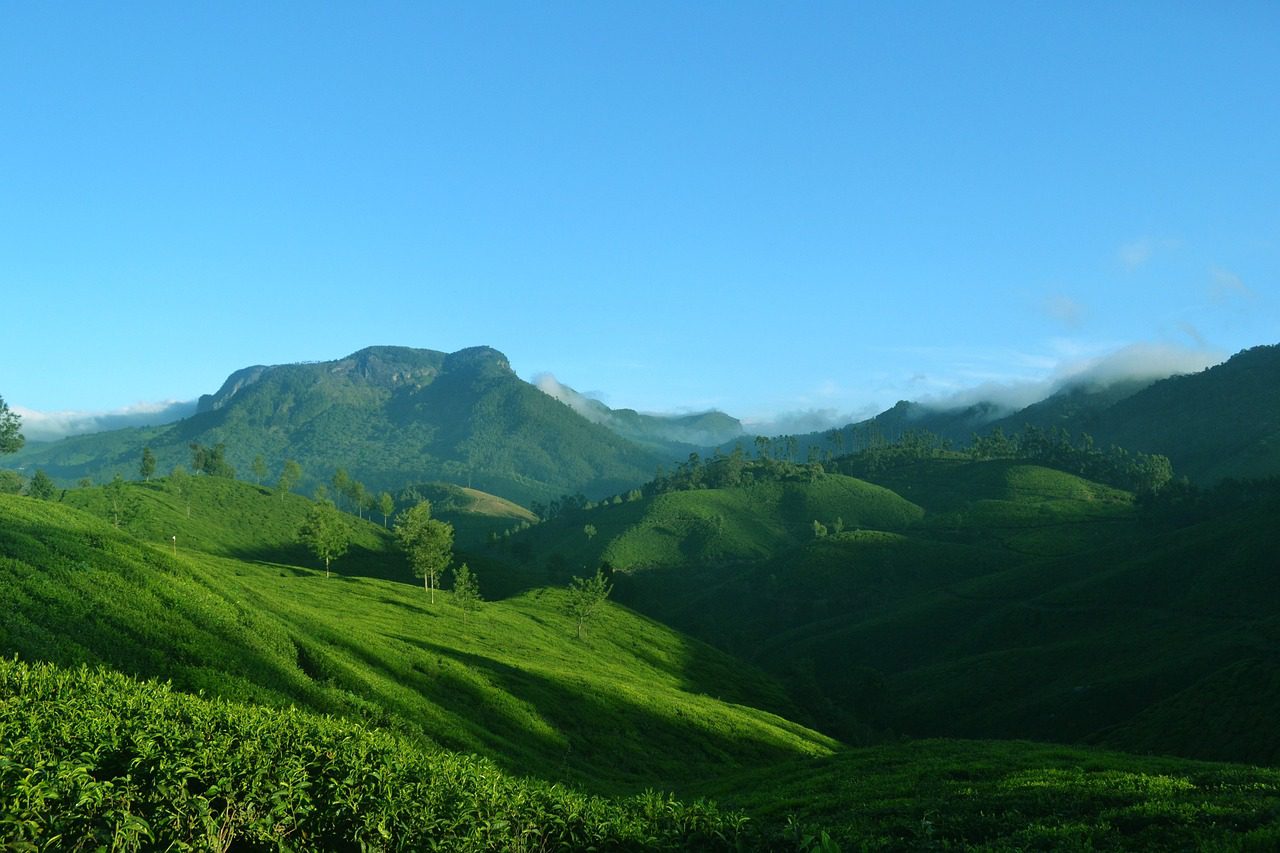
point(1219, 421)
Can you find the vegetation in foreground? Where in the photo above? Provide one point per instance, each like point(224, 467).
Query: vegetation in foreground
point(92, 760)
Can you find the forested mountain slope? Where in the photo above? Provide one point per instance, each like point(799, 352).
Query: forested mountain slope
point(390, 416)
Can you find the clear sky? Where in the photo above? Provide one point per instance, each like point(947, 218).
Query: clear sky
point(764, 208)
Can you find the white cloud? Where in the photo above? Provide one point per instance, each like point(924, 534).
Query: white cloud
point(1065, 310)
point(51, 426)
point(1142, 361)
point(1136, 253)
point(1227, 287)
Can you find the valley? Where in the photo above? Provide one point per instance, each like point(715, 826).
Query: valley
point(891, 641)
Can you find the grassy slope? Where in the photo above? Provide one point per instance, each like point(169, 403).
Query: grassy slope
point(710, 526)
point(629, 705)
point(1026, 602)
point(627, 709)
point(1012, 796)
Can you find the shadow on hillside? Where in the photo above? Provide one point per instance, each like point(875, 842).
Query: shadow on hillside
point(359, 562)
point(608, 741)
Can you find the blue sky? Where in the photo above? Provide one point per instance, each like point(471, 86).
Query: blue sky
point(764, 208)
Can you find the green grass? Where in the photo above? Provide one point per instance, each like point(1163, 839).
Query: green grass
point(1043, 607)
point(709, 526)
point(1012, 796)
point(628, 705)
point(90, 760)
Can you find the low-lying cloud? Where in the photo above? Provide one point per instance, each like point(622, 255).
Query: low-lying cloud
point(51, 426)
point(592, 410)
point(1136, 362)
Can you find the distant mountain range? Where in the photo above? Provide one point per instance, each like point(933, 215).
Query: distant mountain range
point(1221, 422)
point(394, 416)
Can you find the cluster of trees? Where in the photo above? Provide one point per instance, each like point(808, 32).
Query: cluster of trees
point(1138, 472)
point(724, 471)
point(209, 460)
point(1181, 502)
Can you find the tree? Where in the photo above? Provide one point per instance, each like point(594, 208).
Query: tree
point(180, 485)
point(325, 532)
point(289, 477)
point(10, 422)
point(211, 460)
point(10, 482)
point(590, 530)
point(41, 486)
point(341, 482)
point(586, 597)
point(428, 543)
point(122, 506)
point(148, 465)
point(259, 470)
point(359, 497)
point(466, 591)
point(386, 505)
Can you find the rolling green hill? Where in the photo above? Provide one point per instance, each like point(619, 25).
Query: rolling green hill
point(708, 526)
point(344, 712)
point(989, 598)
point(232, 616)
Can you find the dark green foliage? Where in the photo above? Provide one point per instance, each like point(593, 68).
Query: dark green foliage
point(41, 487)
point(211, 460)
point(11, 482)
point(259, 469)
point(388, 415)
point(11, 439)
point(92, 758)
point(147, 466)
point(1011, 796)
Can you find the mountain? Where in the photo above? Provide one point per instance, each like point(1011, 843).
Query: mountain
point(696, 431)
point(391, 416)
point(1221, 422)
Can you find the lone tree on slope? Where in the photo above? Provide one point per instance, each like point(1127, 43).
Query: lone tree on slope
point(428, 543)
point(325, 533)
point(466, 591)
point(586, 597)
point(148, 465)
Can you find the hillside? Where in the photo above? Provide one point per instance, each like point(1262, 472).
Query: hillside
point(411, 689)
point(391, 416)
point(973, 580)
point(708, 526)
point(509, 683)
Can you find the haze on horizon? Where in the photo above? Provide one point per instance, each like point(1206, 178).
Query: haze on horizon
point(796, 215)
